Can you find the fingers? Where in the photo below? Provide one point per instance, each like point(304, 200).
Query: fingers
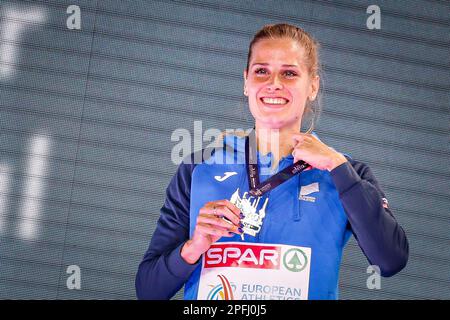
point(301, 137)
point(298, 139)
point(220, 219)
point(297, 154)
point(235, 210)
point(218, 223)
point(221, 212)
point(224, 208)
point(214, 231)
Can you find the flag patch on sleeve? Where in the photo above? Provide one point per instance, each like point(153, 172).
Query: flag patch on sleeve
point(385, 203)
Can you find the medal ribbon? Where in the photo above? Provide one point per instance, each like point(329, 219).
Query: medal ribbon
point(258, 189)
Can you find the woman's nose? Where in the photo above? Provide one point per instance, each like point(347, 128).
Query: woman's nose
point(274, 84)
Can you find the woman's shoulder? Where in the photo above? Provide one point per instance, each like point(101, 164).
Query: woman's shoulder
point(354, 170)
point(361, 168)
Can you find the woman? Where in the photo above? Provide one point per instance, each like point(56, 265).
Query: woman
point(242, 231)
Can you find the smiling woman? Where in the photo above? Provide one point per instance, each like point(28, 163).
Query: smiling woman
point(225, 227)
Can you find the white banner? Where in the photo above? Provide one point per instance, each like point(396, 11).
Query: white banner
point(254, 271)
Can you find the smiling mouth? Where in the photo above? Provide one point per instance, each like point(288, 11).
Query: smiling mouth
point(274, 102)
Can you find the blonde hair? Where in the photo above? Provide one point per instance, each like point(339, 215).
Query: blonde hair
point(311, 47)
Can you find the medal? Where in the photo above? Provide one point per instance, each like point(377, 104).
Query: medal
point(248, 205)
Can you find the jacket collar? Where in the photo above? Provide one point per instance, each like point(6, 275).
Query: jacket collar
point(237, 143)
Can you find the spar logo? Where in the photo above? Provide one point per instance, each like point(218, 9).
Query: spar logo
point(243, 256)
point(222, 291)
point(295, 260)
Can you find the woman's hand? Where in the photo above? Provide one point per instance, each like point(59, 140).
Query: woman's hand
point(314, 152)
point(216, 219)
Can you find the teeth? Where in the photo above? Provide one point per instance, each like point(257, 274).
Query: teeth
point(274, 100)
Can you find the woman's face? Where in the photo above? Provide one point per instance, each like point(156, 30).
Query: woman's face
point(278, 83)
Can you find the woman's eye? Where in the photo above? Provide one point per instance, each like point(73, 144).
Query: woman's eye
point(290, 73)
point(261, 71)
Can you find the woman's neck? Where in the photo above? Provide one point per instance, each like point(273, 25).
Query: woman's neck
point(276, 141)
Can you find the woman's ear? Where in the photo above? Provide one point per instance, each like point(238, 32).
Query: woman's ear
point(315, 85)
point(245, 83)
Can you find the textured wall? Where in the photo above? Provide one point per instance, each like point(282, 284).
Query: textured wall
point(86, 118)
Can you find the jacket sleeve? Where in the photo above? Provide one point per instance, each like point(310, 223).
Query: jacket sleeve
point(163, 271)
point(380, 237)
